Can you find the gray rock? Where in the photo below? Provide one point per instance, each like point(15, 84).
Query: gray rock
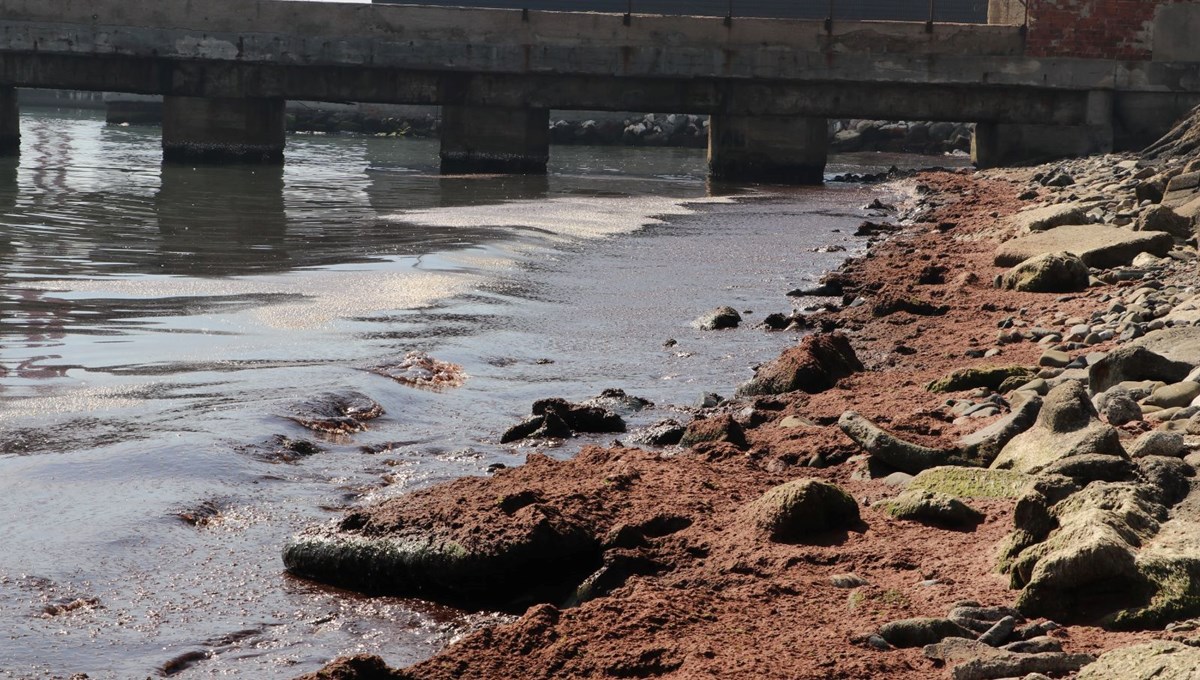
point(1097, 245)
point(1158, 443)
point(717, 319)
point(921, 631)
point(1000, 632)
point(1059, 272)
point(794, 510)
point(1048, 217)
point(1034, 645)
point(1179, 343)
point(1117, 406)
point(1155, 660)
point(1092, 467)
point(1054, 359)
point(972, 660)
point(899, 454)
point(1178, 394)
point(1162, 218)
point(1169, 478)
point(1134, 363)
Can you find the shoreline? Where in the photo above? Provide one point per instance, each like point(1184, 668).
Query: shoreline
point(692, 587)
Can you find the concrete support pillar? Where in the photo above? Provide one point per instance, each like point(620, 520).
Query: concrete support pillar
point(10, 122)
point(781, 150)
point(212, 130)
point(1000, 144)
point(477, 139)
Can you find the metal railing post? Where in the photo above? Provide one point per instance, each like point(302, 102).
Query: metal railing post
point(829, 18)
point(929, 24)
point(628, 18)
point(729, 15)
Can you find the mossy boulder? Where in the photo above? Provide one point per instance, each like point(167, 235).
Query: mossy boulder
point(990, 377)
point(792, 511)
point(930, 507)
point(1060, 272)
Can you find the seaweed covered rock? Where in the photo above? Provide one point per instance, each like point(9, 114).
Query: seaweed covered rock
point(722, 428)
point(1066, 426)
point(1060, 272)
point(790, 512)
point(815, 365)
point(357, 667)
point(491, 549)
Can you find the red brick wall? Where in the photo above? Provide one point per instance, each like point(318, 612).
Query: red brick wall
point(1114, 29)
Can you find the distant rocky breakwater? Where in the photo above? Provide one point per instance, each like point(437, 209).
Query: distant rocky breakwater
point(981, 464)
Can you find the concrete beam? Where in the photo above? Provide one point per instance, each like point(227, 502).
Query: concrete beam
point(213, 130)
point(494, 140)
point(954, 103)
point(10, 122)
point(768, 149)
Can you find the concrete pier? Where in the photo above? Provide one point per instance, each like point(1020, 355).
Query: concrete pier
point(999, 144)
point(477, 139)
point(10, 122)
point(217, 130)
point(776, 149)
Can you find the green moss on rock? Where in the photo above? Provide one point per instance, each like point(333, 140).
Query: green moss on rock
point(964, 482)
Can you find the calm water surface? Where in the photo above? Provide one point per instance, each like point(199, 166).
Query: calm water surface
point(158, 323)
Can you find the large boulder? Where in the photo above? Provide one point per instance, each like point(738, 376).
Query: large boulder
point(1096, 245)
point(1046, 217)
point(1086, 568)
point(1162, 218)
point(1060, 272)
point(1131, 363)
point(1180, 343)
point(802, 507)
point(815, 365)
point(1066, 426)
point(1154, 660)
